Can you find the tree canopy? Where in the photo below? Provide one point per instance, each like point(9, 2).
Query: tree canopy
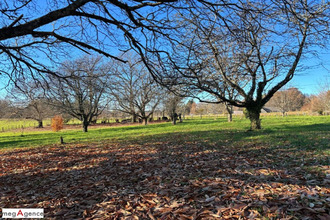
point(238, 52)
point(82, 91)
point(243, 47)
point(36, 35)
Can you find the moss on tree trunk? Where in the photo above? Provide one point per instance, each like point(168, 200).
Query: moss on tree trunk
point(254, 116)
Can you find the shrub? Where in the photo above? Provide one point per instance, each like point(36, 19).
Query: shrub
point(57, 123)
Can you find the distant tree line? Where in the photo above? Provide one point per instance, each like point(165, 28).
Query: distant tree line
point(127, 92)
point(234, 53)
point(292, 99)
point(87, 88)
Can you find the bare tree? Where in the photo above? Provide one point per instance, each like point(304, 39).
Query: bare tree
point(134, 90)
point(124, 89)
point(193, 108)
point(148, 98)
point(287, 100)
point(172, 104)
point(214, 44)
point(29, 97)
point(181, 37)
point(325, 100)
point(39, 110)
point(5, 108)
point(223, 88)
point(324, 96)
point(188, 107)
point(34, 35)
point(320, 103)
point(81, 93)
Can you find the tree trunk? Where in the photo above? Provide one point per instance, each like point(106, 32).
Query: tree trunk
point(230, 116)
point(85, 128)
point(85, 125)
point(40, 124)
point(254, 116)
point(145, 121)
point(174, 117)
point(174, 121)
point(230, 113)
point(134, 118)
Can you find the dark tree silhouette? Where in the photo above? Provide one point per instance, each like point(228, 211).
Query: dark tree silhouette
point(28, 96)
point(134, 90)
point(82, 93)
point(35, 35)
point(244, 47)
point(176, 40)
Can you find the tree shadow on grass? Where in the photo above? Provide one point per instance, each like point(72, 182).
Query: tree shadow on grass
point(180, 174)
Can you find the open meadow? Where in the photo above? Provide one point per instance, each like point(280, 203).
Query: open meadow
point(199, 169)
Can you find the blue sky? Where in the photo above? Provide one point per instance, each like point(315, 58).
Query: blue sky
point(317, 74)
point(307, 81)
point(310, 82)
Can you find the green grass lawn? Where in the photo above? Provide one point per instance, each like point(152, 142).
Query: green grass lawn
point(310, 132)
point(210, 169)
point(13, 124)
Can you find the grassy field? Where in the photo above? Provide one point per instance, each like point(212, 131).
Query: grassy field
point(14, 124)
point(199, 169)
point(305, 131)
point(22, 124)
point(19, 125)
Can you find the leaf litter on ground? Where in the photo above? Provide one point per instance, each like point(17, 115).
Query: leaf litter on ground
point(165, 180)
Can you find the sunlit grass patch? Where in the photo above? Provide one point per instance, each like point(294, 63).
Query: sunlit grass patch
point(207, 167)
